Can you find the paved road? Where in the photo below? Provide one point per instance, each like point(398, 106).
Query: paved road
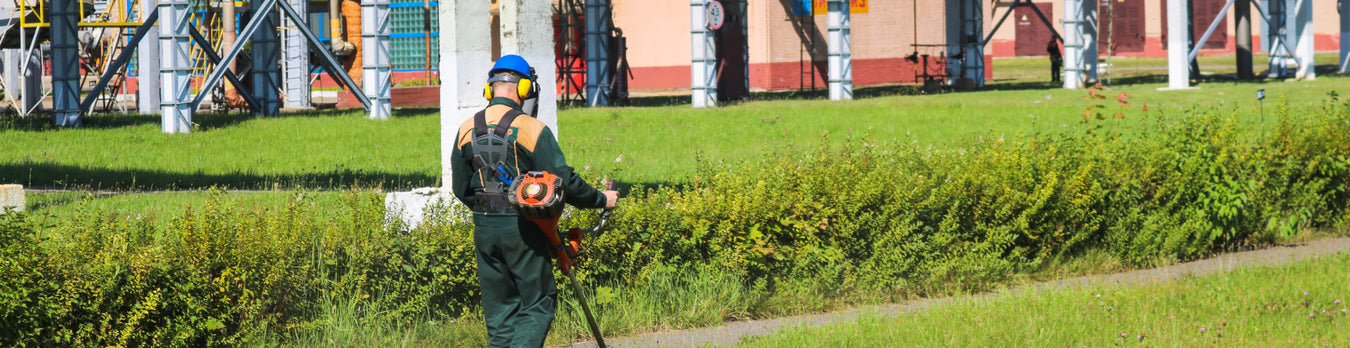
point(732, 333)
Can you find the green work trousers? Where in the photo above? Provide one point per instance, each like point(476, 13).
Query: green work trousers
point(515, 274)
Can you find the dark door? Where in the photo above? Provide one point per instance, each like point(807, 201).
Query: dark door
point(1202, 15)
point(1032, 34)
point(732, 81)
point(1122, 23)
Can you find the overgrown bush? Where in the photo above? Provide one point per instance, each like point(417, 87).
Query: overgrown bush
point(810, 220)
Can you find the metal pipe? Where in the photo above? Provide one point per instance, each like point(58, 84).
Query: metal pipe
point(426, 38)
point(227, 27)
point(1243, 13)
point(340, 46)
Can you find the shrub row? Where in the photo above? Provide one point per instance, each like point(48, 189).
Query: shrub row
point(866, 216)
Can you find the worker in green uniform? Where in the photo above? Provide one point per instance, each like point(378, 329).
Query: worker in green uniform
point(515, 271)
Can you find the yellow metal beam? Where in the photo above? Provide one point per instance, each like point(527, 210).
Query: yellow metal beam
point(88, 25)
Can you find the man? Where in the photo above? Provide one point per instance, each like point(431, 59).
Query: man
point(1056, 59)
point(515, 273)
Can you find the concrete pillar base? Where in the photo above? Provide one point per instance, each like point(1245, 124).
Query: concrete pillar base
point(11, 198)
point(414, 207)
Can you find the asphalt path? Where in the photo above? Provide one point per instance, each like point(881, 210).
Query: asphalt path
point(732, 333)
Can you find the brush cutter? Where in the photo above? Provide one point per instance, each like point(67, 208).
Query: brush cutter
point(538, 196)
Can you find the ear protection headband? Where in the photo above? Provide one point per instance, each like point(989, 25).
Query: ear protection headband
point(525, 87)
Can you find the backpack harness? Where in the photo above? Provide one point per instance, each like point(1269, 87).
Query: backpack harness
point(492, 151)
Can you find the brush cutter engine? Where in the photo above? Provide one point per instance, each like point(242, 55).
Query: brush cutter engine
point(537, 195)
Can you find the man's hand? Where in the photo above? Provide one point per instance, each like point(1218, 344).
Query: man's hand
point(611, 198)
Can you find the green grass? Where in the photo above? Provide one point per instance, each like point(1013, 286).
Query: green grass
point(1290, 305)
point(632, 144)
point(162, 207)
point(1130, 69)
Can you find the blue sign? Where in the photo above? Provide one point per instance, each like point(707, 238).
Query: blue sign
point(801, 7)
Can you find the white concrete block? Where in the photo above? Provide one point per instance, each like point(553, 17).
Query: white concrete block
point(414, 207)
point(11, 197)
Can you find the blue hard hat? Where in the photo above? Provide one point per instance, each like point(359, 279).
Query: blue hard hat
point(513, 63)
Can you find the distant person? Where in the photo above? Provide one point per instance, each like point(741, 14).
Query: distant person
point(1056, 59)
point(515, 270)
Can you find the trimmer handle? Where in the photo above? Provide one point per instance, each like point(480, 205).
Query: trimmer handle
point(604, 216)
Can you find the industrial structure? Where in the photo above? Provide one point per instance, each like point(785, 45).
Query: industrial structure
point(71, 58)
point(956, 42)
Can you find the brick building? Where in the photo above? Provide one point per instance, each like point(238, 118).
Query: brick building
point(787, 47)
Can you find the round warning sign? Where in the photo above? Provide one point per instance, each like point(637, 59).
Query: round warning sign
point(716, 15)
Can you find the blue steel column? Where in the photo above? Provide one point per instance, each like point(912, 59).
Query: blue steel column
point(1345, 37)
point(703, 62)
point(598, 71)
point(266, 64)
point(147, 65)
point(65, 61)
point(295, 66)
point(841, 50)
point(175, 70)
point(375, 56)
point(965, 28)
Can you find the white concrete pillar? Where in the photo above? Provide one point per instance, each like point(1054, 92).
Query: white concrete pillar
point(527, 30)
point(703, 53)
point(11, 61)
point(466, 57)
point(376, 57)
point(1304, 50)
point(1278, 37)
point(1345, 37)
point(31, 70)
point(295, 60)
point(840, 49)
point(1178, 68)
point(147, 65)
point(1080, 43)
point(175, 71)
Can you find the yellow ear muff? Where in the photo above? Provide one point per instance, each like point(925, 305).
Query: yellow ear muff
point(487, 91)
point(523, 89)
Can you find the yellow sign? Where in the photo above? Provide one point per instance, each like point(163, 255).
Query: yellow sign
point(857, 6)
point(821, 7)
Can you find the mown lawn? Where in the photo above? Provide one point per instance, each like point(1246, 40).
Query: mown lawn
point(1297, 305)
point(631, 144)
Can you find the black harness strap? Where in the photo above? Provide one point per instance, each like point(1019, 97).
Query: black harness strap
point(498, 148)
point(480, 127)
